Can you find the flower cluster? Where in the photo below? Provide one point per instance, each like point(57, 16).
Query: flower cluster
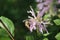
point(37, 20)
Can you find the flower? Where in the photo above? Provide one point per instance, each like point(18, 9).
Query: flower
point(37, 20)
point(43, 7)
point(33, 22)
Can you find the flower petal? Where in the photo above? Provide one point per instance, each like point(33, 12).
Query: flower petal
point(31, 28)
point(39, 0)
point(31, 11)
point(41, 13)
point(40, 6)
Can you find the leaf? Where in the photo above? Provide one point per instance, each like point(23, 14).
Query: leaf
point(57, 21)
point(57, 36)
point(47, 16)
point(3, 35)
point(46, 34)
point(29, 37)
point(4, 38)
point(8, 23)
point(45, 39)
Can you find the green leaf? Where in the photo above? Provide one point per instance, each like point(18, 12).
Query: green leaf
point(3, 35)
point(45, 39)
point(4, 38)
point(29, 37)
point(57, 36)
point(46, 16)
point(46, 34)
point(57, 21)
point(8, 23)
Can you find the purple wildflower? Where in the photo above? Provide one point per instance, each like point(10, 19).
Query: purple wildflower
point(36, 21)
point(43, 7)
point(43, 11)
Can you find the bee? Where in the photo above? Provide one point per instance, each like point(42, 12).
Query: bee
point(26, 23)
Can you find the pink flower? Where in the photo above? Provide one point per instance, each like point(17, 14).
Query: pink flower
point(34, 22)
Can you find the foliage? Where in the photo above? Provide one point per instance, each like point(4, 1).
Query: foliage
point(57, 21)
point(6, 27)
